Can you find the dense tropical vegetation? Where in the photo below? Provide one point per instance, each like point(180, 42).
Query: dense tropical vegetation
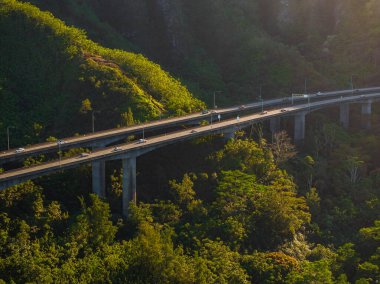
point(239, 46)
point(239, 218)
point(48, 69)
point(255, 209)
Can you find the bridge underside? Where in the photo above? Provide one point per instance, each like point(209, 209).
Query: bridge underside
point(129, 159)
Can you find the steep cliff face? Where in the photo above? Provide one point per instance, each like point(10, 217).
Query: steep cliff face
point(137, 21)
point(173, 18)
point(307, 18)
point(339, 11)
point(154, 25)
point(236, 46)
point(284, 17)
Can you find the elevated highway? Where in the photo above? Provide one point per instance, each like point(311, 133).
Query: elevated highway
point(128, 152)
point(107, 137)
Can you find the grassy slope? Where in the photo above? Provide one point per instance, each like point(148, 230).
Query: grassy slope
point(47, 69)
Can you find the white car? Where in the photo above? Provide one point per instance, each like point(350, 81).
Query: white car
point(82, 155)
point(116, 149)
point(193, 131)
point(141, 141)
point(61, 142)
point(19, 150)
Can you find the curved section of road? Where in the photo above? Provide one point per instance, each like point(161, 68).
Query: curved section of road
point(110, 136)
point(135, 148)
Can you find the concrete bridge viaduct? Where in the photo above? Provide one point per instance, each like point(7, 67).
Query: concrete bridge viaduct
point(110, 136)
point(130, 151)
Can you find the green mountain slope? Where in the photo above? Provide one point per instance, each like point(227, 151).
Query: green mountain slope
point(47, 69)
point(239, 46)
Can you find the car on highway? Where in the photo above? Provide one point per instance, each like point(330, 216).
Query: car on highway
point(263, 112)
point(19, 150)
point(85, 154)
point(61, 142)
point(319, 94)
point(193, 131)
point(283, 110)
point(242, 107)
point(117, 149)
point(142, 140)
point(205, 111)
point(362, 96)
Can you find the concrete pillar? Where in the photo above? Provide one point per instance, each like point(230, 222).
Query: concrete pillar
point(129, 183)
point(367, 107)
point(228, 135)
point(99, 178)
point(366, 114)
point(99, 175)
point(299, 127)
point(344, 115)
point(275, 124)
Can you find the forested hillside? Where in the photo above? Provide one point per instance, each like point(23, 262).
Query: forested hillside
point(253, 209)
point(239, 46)
point(233, 214)
point(48, 69)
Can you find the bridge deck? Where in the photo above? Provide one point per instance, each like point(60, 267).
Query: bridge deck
point(91, 139)
point(152, 143)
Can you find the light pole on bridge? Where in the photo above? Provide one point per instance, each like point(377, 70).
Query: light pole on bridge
point(9, 127)
point(59, 152)
point(215, 92)
point(305, 86)
point(352, 83)
point(93, 119)
point(262, 102)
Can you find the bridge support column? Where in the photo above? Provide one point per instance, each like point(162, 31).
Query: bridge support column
point(129, 183)
point(299, 127)
point(99, 175)
point(228, 135)
point(344, 115)
point(366, 114)
point(99, 178)
point(274, 124)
